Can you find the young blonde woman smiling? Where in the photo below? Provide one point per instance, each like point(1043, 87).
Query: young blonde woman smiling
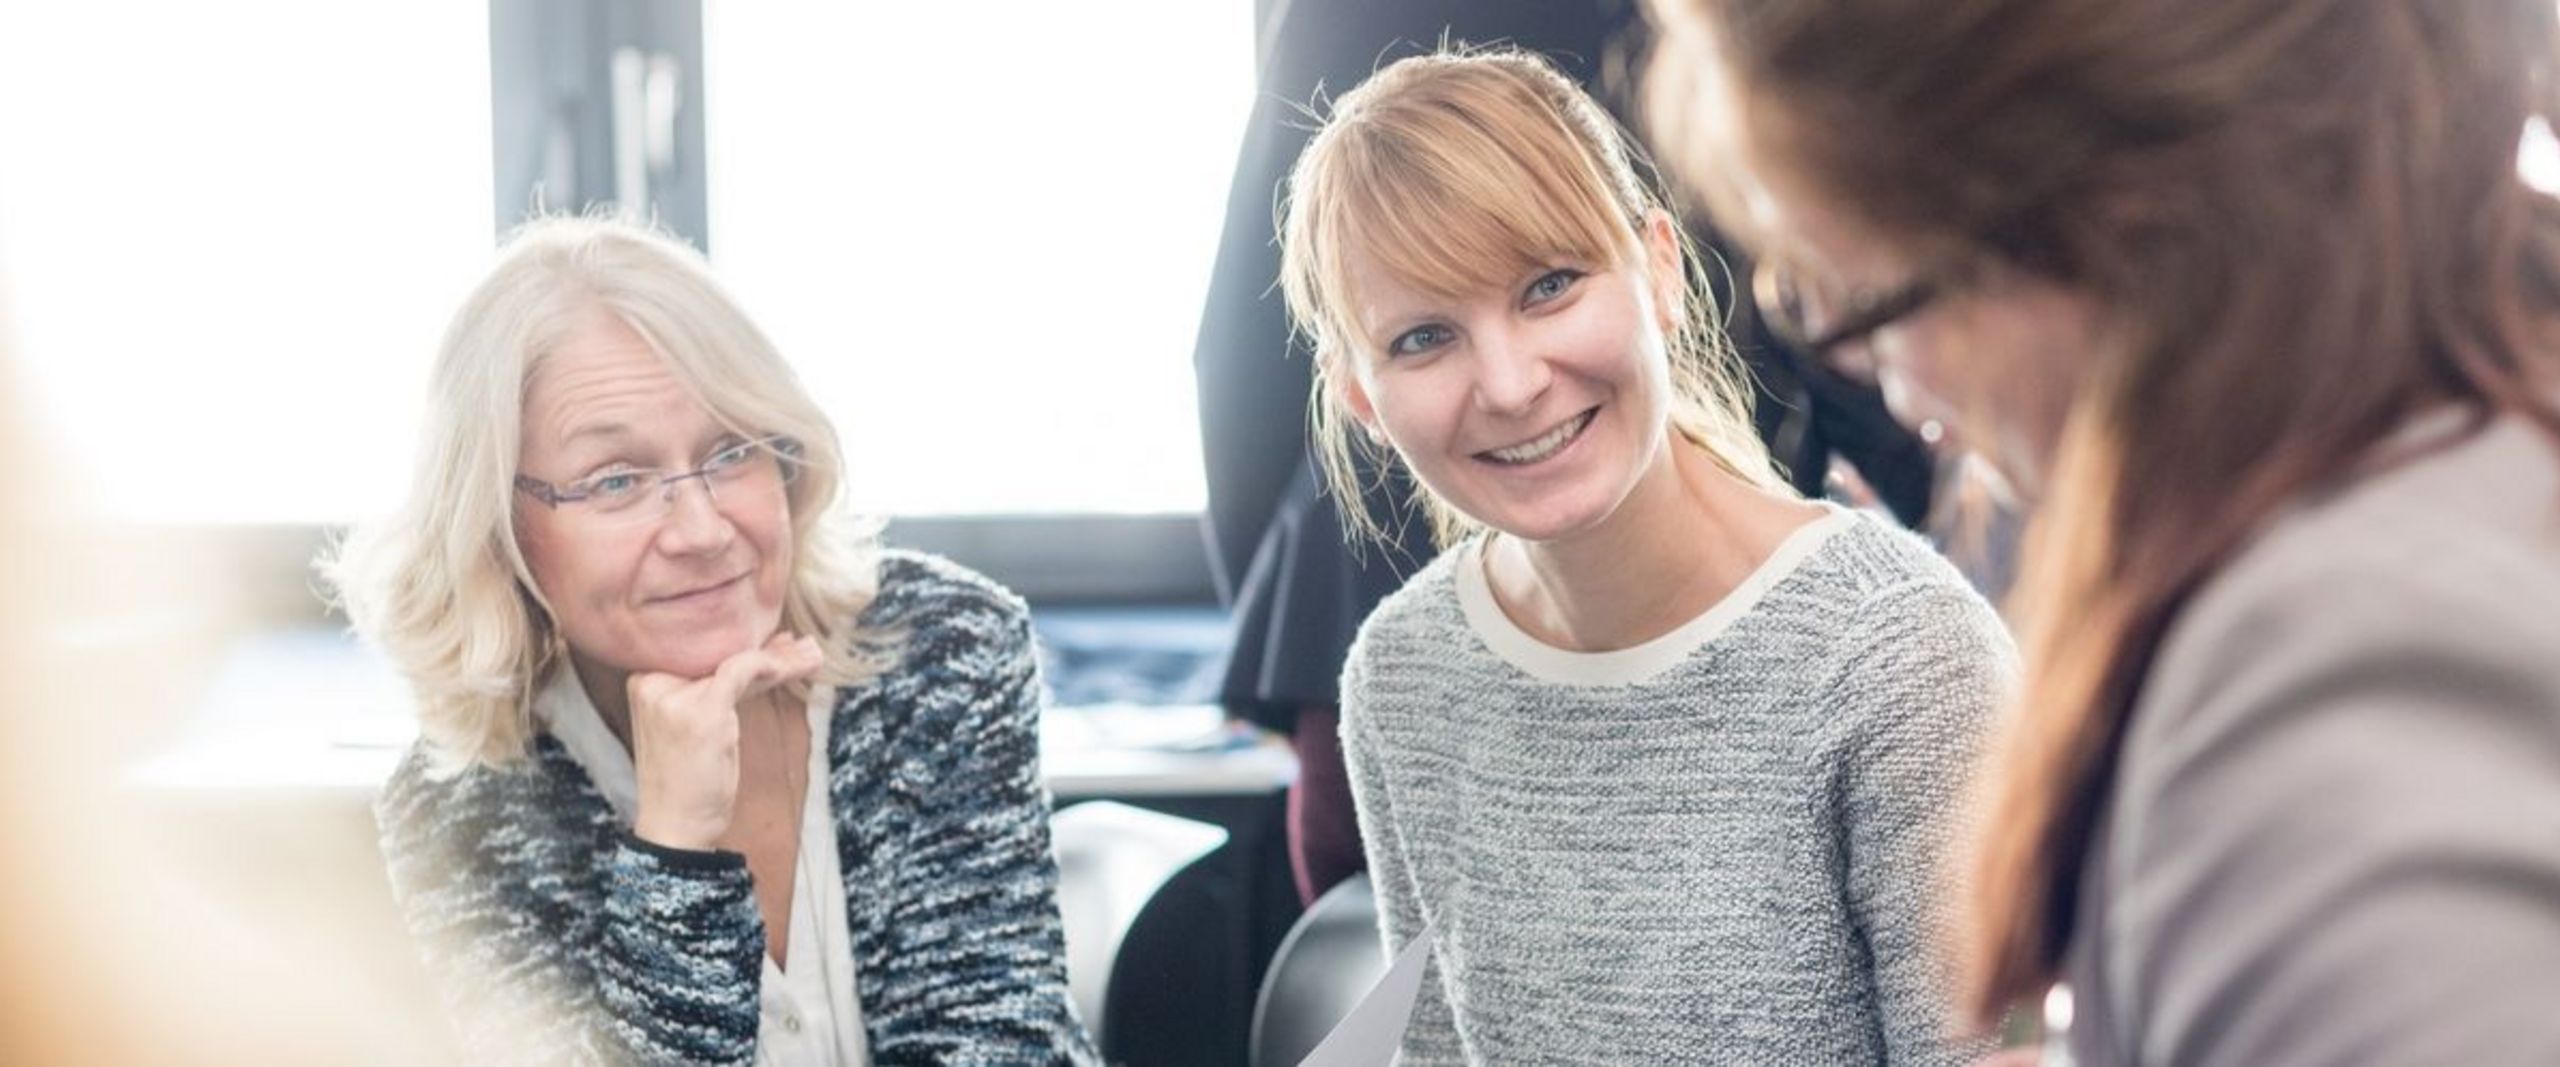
point(1661, 754)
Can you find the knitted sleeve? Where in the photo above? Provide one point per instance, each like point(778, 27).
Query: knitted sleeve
point(667, 974)
point(978, 972)
point(1927, 671)
point(1431, 1033)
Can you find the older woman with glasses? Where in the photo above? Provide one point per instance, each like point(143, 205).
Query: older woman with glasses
point(703, 774)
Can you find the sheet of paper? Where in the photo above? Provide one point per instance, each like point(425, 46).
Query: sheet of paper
point(1370, 1035)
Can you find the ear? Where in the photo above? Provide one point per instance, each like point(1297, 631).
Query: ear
point(1662, 261)
point(1352, 396)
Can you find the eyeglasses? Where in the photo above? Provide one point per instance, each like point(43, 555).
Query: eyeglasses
point(621, 495)
point(1836, 338)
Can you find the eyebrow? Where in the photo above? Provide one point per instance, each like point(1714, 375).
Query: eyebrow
point(616, 433)
point(1384, 328)
point(597, 429)
point(588, 444)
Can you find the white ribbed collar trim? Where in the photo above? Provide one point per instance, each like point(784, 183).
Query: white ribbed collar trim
point(1629, 666)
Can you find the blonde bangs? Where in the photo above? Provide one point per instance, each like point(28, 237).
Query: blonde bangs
point(1451, 202)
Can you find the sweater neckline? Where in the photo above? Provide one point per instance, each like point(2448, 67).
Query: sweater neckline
point(1640, 663)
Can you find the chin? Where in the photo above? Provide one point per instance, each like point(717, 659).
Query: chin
point(1544, 533)
point(1558, 522)
point(698, 662)
point(697, 653)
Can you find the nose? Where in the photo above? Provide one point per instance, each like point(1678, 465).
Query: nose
point(1510, 374)
point(694, 523)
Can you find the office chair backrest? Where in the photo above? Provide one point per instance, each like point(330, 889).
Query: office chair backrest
point(1112, 860)
point(1328, 963)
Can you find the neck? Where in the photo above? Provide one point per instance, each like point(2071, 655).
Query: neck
point(1684, 538)
point(608, 689)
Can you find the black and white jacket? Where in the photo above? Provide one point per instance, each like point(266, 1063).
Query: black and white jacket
point(558, 937)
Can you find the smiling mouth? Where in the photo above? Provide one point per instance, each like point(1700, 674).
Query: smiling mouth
point(695, 594)
point(1544, 445)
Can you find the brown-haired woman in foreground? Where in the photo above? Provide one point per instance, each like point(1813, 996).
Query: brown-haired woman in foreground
point(2251, 297)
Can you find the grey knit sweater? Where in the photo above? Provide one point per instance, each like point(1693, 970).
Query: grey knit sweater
point(1723, 846)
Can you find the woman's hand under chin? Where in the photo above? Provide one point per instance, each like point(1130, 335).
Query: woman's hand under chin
point(684, 738)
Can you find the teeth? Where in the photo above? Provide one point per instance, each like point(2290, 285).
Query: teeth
point(1544, 446)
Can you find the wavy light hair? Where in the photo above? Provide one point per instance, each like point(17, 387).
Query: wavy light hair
point(2303, 221)
point(442, 586)
point(1460, 171)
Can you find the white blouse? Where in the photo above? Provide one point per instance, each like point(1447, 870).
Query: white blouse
point(812, 1017)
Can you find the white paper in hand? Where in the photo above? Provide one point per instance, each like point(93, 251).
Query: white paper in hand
point(1371, 1034)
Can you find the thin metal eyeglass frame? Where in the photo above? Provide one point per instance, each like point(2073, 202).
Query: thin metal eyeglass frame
point(1782, 309)
point(785, 449)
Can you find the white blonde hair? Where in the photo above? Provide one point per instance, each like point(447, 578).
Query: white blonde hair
point(442, 586)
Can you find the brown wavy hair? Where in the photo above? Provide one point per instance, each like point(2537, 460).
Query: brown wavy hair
point(2303, 222)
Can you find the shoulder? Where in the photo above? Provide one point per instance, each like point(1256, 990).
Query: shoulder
point(2449, 564)
point(1870, 562)
point(438, 822)
point(1421, 618)
point(2387, 648)
point(935, 600)
point(425, 794)
point(963, 653)
point(2376, 667)
point(1901, 604)
point(1412, 650)
point(1918, 660)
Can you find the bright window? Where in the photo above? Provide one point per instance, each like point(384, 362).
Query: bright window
point(983, 233)
point(2539, 157)
point(231, 236)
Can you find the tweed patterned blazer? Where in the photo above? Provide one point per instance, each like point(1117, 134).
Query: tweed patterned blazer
point(558, 937)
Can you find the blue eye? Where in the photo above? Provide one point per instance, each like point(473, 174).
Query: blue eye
point(609, 486)
point(729, 457)
point(1552, 284)
point(1418, 339)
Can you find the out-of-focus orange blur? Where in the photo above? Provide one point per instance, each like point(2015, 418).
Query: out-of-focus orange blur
point(136, 928)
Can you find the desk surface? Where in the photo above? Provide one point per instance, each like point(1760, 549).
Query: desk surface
point(316, 710)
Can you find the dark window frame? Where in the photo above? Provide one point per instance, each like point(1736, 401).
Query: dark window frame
point(562, 124)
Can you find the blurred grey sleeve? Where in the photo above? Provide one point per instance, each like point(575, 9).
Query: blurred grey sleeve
point(2337, 837)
